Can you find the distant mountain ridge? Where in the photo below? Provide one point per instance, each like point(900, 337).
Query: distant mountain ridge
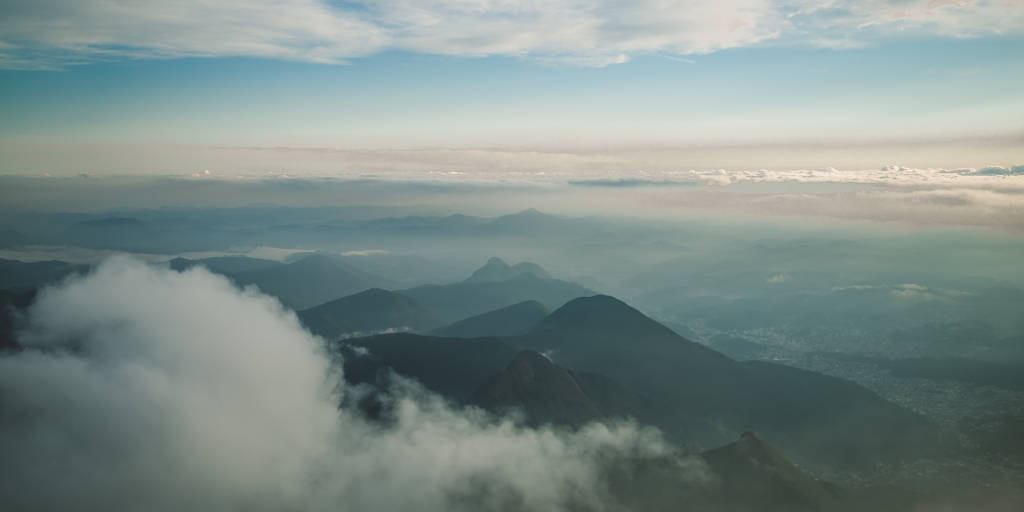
point(549, 393)
point(496, 285)
point(368, 311)
point(705, 396)
point(497, 270)
point(310, 281)
point(224, 264)
point(693, 393)
point(511, 320)
point(757, 475)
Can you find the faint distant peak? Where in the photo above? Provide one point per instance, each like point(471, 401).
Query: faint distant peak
point(496, 269)
point(531, 212)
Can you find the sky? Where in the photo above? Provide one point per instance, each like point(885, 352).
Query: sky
point(142, 87)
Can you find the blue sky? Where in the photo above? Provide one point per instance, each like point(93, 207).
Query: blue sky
point(460, 74)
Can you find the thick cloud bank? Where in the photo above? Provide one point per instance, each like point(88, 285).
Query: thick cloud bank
point(142, 388)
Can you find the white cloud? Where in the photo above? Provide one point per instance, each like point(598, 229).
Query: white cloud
point(989, 177)
point(592, 33)
point(148, 389)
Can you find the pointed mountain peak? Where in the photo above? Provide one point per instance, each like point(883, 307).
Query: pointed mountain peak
point(593, 307)
point(750, 449)
point(604, 314)
point(754, 472)
point(531, 212)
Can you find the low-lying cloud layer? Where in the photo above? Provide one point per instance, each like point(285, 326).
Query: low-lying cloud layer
point(591, 33)
point(143, 388)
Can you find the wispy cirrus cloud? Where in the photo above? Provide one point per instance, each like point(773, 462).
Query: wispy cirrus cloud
point(58, 33)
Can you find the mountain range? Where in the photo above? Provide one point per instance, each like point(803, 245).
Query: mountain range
point(605, 359)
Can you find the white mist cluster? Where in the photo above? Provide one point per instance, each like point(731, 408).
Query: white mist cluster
point(147, 389)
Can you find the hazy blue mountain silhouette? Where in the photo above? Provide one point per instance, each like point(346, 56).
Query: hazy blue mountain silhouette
point(29, 275)
point(225, 264)
point(461, 300)
point(368, 311)
point(451, 366)
point(508, 321)
point(310, 281)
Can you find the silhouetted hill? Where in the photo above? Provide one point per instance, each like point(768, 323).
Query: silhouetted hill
point(225, 264)
point(310, 281)
point(548, 393)
point(529, 221)
point(756, 476)
point(12, 303)
point(497, 270)
point(695, 394)
point(29, 275)
point(451, 366)
point(462, 300)
point(508, 321)
point(702, 396)
point(366, 312)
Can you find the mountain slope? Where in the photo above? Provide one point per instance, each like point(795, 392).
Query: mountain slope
point(462, 300)
point(702, 396)
point(508, 321)
point(450, 366)
point(310, 281)
point(225, 264)
point(12, 304)
point(756, 476)
point(16, 274)
point(548, 393)
point(367, 311)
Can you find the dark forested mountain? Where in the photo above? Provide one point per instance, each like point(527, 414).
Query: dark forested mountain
point(25, 275)
point(366, 312)
point(694, 394)
point(497, 270)
point(508, 321)
point(310, 281)
point(450, 366)
point(475, 296)
point(548, 393)
point(12, 303)
point(702, 395)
